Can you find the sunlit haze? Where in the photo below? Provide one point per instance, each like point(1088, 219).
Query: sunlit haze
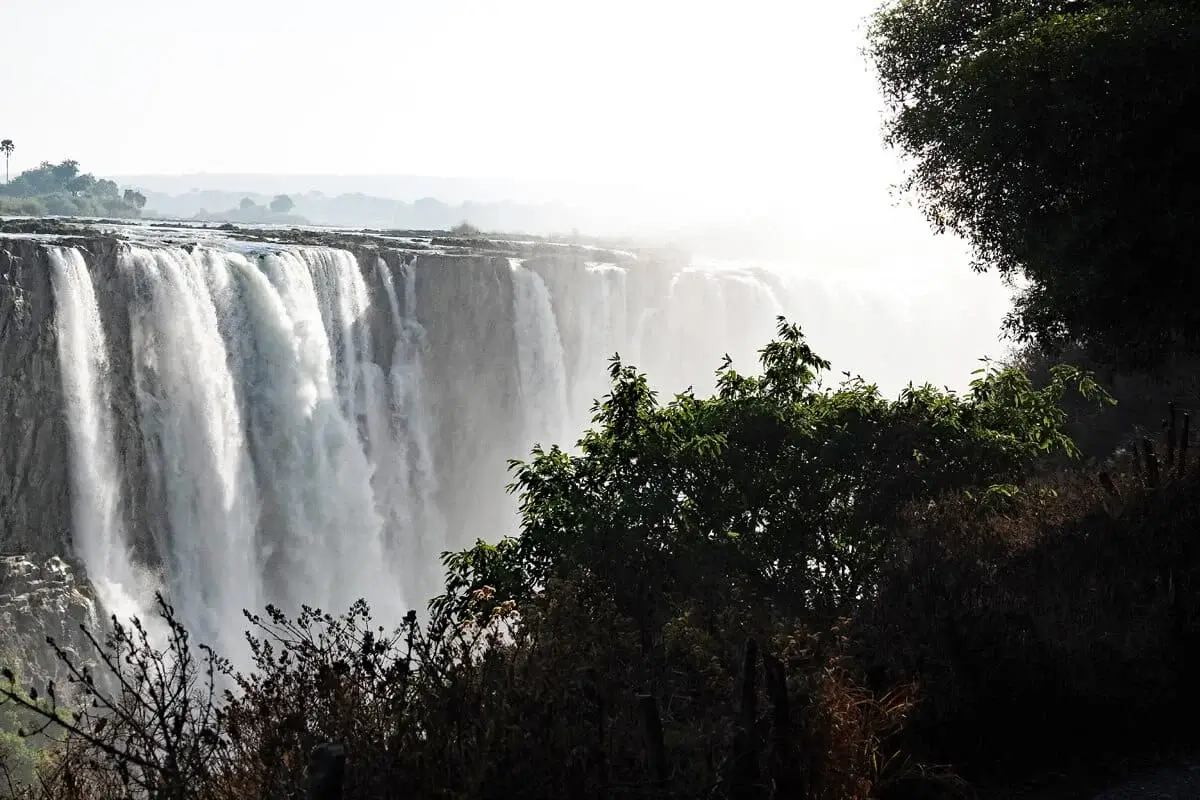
point(762, 119)
point(762, 110)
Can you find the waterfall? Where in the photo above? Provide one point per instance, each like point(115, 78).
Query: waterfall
point(188, 409)
point(604, 331)
point(410, 494)
point(258, 401)
point(540, 361)
point(99, 530)
point(323, 542)
point(707, 313)
point(305, 427)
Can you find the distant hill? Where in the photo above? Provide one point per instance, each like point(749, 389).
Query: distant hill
point(396, 187)
point(835, 239)
point(362, 210)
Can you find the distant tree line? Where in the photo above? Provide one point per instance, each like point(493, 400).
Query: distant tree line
point(276, 211)
point(63, 190)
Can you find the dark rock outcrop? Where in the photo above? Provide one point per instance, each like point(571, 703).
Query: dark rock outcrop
point(35, 512)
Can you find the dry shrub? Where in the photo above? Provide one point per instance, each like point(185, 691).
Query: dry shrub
point(1059, 626)
point(548, 707)
point(544, 701)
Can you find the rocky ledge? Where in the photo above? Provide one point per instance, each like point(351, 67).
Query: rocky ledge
point(40, 599)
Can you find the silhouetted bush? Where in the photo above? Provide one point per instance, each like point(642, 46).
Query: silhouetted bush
point(550, 700)
point(1063, 626)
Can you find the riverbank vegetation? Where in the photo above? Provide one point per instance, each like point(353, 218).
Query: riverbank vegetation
point(791, 588)
point(62, 190)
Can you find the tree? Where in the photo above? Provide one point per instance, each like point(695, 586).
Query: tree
point(6, 147)
point(774, 488)
point(282, 204)
point(135, 199)
point(247, 204)
point(65, 172)
point(1054, 136)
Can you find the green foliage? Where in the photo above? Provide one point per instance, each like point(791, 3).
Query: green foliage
point(1142, 394)
point(1054, 136)
point(775, 487)
point(62, 190)
point(26, 746)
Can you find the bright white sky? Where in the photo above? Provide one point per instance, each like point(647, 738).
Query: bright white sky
point(757, 99)
point(758, 112)
point(761, 110)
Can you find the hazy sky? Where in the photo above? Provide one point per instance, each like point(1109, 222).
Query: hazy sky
point(770, 99)
point(762, 112)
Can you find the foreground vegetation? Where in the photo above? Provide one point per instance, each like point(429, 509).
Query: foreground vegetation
point(784, 590)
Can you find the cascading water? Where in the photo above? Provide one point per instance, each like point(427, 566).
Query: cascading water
point(266, 420)
point(290, 410)
point(410, 493)
point(603, 332)
point(199, 459)
point(706, 314)
point(99, 533)
point(540, 360)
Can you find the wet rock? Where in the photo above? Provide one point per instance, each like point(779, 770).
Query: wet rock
point(40, 599)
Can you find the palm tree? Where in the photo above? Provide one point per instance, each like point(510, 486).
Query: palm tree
point(7, 148)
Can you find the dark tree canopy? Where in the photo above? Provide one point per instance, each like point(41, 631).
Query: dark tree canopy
point(1057, 137)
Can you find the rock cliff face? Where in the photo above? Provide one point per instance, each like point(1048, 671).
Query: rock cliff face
point(33, 451)
point(40, 599)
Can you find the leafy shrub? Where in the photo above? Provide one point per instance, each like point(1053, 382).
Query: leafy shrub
point(1142, 397)
point(27, 740)
point(775, 484)
point(626, 643)
point(549, 700)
